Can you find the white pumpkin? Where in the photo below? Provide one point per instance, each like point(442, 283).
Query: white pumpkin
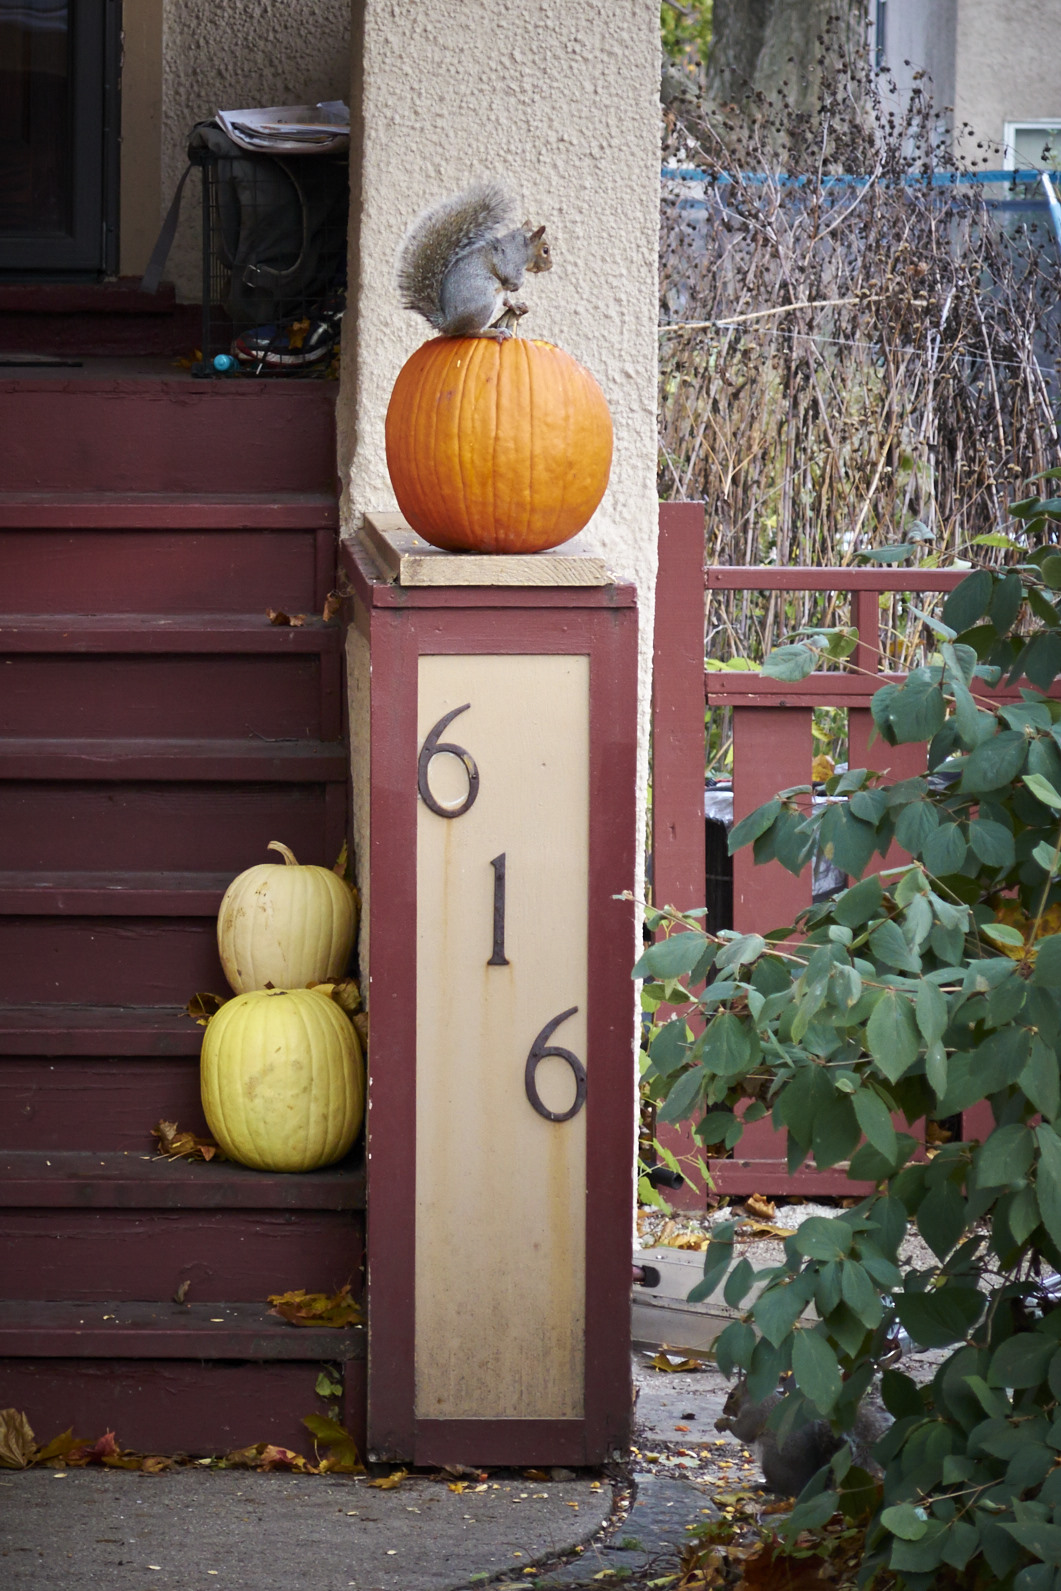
point(285, 925)
point(282, 1079)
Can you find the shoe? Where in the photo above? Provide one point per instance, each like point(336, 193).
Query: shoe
point(299, 343)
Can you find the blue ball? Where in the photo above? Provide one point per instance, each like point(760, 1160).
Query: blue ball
point(224, 362)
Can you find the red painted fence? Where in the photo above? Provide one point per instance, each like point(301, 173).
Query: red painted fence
point(772, 751)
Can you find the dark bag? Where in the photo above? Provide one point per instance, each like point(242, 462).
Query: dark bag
point(279, 227)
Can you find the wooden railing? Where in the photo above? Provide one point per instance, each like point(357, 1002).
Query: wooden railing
point(772, 751)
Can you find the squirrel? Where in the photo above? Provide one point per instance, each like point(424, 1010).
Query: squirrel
point(788, 1466)
point(462, 260)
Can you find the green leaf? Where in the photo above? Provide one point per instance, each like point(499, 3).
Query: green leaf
point(875, 1121)
point(891, 1034)
point(727, 1048)
point(733, 1347)
point(914, 824)
point(717, 1259)
point(1005, 1157)
point(901, 1395)
point(941, 1219)
point(905, 1521)
point(777, 1309)
point(1048, 1179)
point(994, 763)
point(931, 1011)
point(816, 1370)
point(823, 1237)
point(968, 601)
point(858, 904)
point(1021, 1361)
point(672, 957)
point(846, 840)
point(1043, 790)
point(1037, 1537)
point(1039, 1079)
point(991, 842)
point(1002, 934)
point(946, 1315)
point(1047, 970)
point(944, 851)
point(791, 663)
point(888, 944)
point(749, 828)
point(682, 1096)
point(859, 1294)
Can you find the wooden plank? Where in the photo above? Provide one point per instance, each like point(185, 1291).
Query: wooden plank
point(181, 1405)
point(96, 1255)
point(822, 689)
point(114, 1329)
point(82, 1029)
point(678, 860)
point(191, 510)
point(110, 1101)
point(404, 556)
point(112, 894)
point(375, 590)
point(122, 759)
point(771, 752)
point(83, 1180)
point(758, 577)
point(202, 633)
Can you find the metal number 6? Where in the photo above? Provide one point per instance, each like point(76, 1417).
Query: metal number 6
point(539, 1050)
point(431, 748)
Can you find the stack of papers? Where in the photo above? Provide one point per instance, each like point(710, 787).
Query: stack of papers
point(289, 129)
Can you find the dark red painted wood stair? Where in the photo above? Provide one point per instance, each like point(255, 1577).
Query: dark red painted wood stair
point(156, 731)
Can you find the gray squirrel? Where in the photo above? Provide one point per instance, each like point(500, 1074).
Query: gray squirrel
point(462, 260)
point(789, 1465)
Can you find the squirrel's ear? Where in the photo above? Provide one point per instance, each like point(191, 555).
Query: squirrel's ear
point(537, 235)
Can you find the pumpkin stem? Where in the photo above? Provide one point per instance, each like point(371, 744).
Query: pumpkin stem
point(288, 855)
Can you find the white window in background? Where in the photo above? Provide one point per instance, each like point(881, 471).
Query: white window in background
point(1033, 146)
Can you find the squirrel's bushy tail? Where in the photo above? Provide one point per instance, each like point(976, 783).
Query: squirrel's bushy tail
point(441, 234)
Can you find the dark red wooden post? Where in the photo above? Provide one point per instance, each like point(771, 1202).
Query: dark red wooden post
point(678, 853)
point(678, 863)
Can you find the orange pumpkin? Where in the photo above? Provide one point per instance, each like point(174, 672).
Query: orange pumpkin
point(497, 446)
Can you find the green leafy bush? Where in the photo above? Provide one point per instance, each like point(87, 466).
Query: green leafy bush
point(913, 994)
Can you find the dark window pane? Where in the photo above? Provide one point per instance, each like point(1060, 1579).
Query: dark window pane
point(36, 92)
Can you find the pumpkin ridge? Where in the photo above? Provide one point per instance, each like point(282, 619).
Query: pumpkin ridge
point(411, 426)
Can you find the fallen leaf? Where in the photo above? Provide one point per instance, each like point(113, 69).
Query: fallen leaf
point(17, 1446)
point(673, 1362)
point(389, 1483)
point(759, 1205)
point(346, 993)
point(343, 1457)
point(536, 1474)
point(205, 1005)
point(264, 1456)
point(278, 616)
point(360, 1021)
point(317, 1309)
point(458, 1486)
point(332, 603)
point(177, 1145)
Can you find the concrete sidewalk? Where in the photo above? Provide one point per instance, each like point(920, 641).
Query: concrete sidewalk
point(237, 1530)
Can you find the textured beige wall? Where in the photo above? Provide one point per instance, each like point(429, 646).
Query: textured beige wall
point(562, 102)
point(239, 54)
point(1006, 66)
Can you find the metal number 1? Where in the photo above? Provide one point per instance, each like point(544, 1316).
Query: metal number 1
point(498, 958)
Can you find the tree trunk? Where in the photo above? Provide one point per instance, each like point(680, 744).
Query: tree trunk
point(781, 47)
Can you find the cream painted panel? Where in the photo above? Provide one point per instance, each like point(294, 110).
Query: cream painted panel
point(500, 1190)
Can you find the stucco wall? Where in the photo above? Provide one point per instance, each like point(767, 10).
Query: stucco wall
point(236, 55)
point(560, 101)
point(1006, 66)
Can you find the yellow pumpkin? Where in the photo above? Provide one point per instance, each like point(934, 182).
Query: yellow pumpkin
point(286, 925)
point(282, 1079)
point(497, 447)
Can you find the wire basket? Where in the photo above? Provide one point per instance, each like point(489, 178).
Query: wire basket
point(273, 262)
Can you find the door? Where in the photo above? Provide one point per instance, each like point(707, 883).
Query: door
point(59, 65)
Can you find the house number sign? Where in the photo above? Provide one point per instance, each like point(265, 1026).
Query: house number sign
point(541, 1048)
point(502, 991)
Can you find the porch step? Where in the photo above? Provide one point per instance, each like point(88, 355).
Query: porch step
point(150, 428)
point(122, 758)
point(94, 1180)
point(83, 1227)
point(117, 894)
point(129, 1330)
point(72, 1029)
point(210, 633)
